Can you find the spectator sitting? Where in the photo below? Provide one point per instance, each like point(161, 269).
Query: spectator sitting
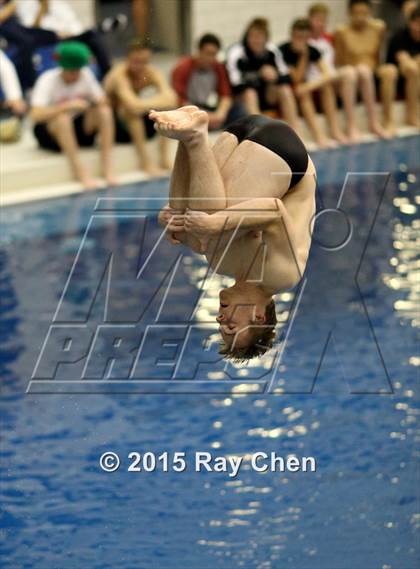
point(58, 17)
point(69, 107)
point(299, 55)
point(360, 44)
point(344, 77)
point(404, 51)
point(202, 81)
point(124, 85)
point(258, 74)
point(12, 105)
point(24, 40)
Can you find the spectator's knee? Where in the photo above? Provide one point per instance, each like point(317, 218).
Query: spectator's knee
point(249, 94)
point(363, 71)
point(410, 71)
point(388, 72)
point(104, 112)
point(285, 91)
point(349, 74)
point(61, 122)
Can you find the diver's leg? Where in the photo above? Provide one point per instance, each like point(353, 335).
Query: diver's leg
point(190, 126)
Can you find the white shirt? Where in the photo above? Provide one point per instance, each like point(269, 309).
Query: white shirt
point(9, 80)
point(60, 17)
point(50, 89)
point(328, 56)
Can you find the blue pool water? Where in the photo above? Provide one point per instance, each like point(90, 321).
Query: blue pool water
point(344, 390)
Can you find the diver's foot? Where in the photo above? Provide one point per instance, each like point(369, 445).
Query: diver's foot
point(186, 124)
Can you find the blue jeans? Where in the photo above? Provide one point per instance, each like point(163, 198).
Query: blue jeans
point(25, 41)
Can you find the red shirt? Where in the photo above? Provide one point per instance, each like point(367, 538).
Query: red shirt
point(183, 70)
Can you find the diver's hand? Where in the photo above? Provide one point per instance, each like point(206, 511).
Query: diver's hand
point(172, 219)
point(171, 237)
point(202, 224)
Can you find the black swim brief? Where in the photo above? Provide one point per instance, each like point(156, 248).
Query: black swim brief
point(278, 137)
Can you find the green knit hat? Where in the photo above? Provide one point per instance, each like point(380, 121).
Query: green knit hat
point(72, 54)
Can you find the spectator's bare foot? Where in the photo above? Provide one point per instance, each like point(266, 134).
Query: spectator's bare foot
point(153, 171)
point(111, 180)
point(85, 179)
point(326, 143)
point(89, 183)
point(186, 124)
point(390, 129)
point(353, 135)
point(340, 137)
point(376, 128)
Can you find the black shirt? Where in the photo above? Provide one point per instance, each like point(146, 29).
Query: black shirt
point(244, 66)
point(292, 57)
point(402, 41)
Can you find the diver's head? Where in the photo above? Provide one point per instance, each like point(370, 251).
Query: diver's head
point(247, 320)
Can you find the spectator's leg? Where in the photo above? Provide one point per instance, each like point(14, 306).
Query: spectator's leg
point(411, 74)
point(100, 119)
point(329, 108)
point(249, 99)
point(180, 180)
point(164, 160)
point(16, 35)
point(309, 113)
point(368, 91)
point(26, 40)
point(347, 89)
point(96, 44)
point(62, 129)
point(288, 106)
point(135, 126)
point(388, 75)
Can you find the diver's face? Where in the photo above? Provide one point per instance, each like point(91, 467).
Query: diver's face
point(359, 15)
point(236, 318)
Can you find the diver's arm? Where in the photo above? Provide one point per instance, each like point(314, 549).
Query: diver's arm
point(257, 214)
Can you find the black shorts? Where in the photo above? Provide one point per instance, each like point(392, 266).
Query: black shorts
point(278, 137)
point(122, 136)
point(47, 141)
point(261, 88)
